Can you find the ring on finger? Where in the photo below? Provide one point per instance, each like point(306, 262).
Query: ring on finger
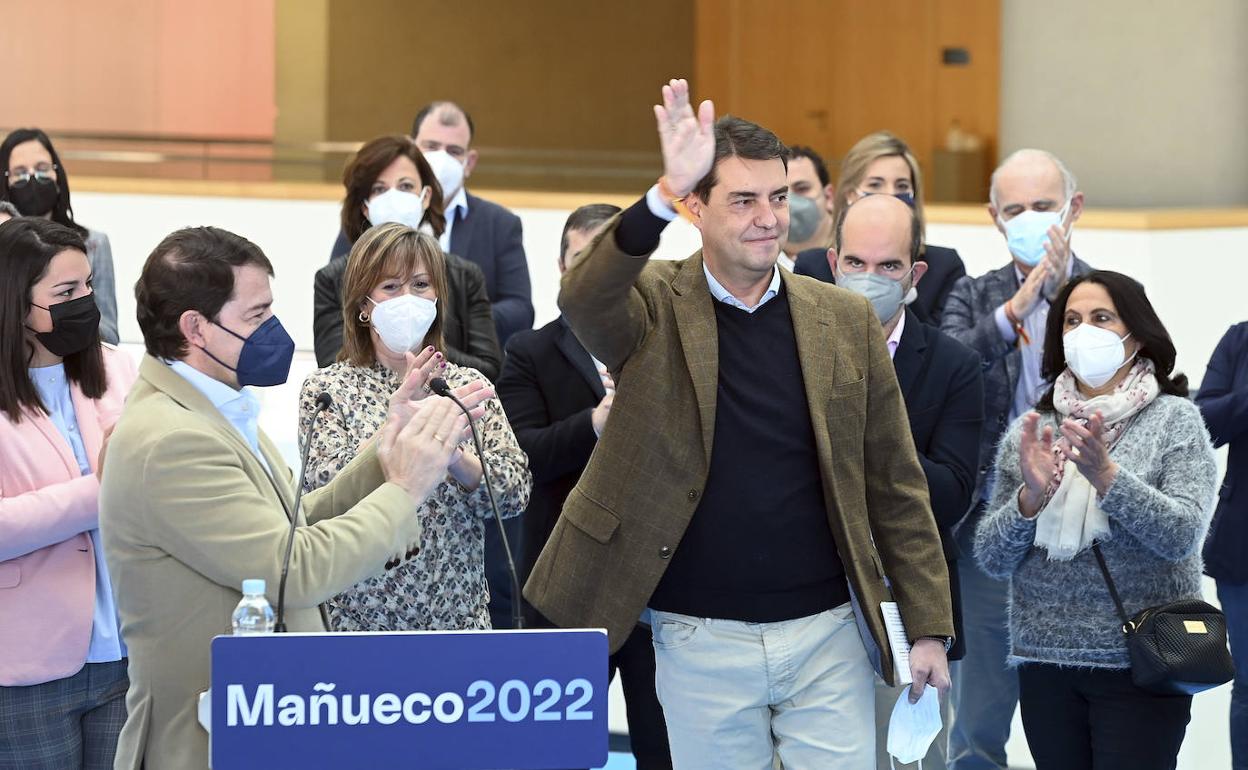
point(426, 388)
point(439, 439)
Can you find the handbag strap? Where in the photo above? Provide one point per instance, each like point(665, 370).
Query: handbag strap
point(1109, 582)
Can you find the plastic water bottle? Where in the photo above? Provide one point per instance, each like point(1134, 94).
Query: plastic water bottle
point(253, 615)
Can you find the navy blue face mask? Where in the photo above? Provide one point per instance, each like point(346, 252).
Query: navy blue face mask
point(265, 357)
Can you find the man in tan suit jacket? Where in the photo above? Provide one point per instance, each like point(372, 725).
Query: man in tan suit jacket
point(756, 474)
point(195, 498)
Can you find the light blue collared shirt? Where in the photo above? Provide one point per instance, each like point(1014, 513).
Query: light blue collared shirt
point(723, 295)
point(106, 643)
point(1031, 384)
point(239, 407)
point(658, 207)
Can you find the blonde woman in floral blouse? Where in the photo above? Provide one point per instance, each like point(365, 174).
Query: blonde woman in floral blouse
point(392, 322)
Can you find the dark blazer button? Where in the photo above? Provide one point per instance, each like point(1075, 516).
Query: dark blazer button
point(665, 553)
point(693, 494)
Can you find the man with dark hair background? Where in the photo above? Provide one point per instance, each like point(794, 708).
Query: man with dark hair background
point(808, 177)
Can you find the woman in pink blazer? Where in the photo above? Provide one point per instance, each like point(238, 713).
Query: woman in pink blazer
point(62, 661)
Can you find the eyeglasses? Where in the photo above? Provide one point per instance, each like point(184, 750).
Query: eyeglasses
point(44, 172)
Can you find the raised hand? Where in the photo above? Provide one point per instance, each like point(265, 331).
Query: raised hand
point(1089, 452)
point(687, 140)
point(473, 396)
point(1027, 298)
point(1038, 463)
point(1057, 256)
point(420, 368)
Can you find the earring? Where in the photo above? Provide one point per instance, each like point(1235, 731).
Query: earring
point(363, 317)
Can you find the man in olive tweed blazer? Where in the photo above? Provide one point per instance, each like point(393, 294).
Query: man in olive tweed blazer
point(657, 327)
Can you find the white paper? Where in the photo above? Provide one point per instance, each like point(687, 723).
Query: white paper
point(899, 641)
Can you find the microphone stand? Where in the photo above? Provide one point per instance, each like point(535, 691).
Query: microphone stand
point(439, 386)
point(323, 402)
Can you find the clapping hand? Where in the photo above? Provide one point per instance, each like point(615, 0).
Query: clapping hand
point(1028, 295)
point(414, 387)
point(1089, 452)
point(1038, 462)
point(473, 396)
point(1057, 256)
point(687, 140)
point(421, 367)
point(415, 452)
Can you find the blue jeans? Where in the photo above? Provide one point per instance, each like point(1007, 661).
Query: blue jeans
point(1234, 600)
point(985, 691)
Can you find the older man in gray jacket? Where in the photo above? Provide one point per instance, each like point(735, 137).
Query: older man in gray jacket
point(1034, 201)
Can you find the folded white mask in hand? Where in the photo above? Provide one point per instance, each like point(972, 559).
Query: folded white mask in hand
point(913, 727)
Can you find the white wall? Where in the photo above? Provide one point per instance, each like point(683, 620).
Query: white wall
point(296, 236)
point(1145, 100)
point(1194, 277)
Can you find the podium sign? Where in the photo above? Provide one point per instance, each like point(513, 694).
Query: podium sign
point(464, 700)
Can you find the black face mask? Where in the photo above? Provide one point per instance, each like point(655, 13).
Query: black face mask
point(34, 197)
point(75, 326)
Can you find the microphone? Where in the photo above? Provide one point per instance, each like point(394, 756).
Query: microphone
point(439, 387)
point(323, 402)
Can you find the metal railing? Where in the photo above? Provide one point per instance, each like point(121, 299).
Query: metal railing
point(249, 159)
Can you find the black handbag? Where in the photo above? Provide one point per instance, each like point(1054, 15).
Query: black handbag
point(1178, 648)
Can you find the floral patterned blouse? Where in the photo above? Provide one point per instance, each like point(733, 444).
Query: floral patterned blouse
point(443, 587)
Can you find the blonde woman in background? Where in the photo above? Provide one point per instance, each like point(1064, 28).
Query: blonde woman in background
point(882, 164)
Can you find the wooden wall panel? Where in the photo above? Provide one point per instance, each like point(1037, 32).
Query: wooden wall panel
point(168, 67)
point(558, 89)
point(828, 72)
point(969, 94)
point(555, 87)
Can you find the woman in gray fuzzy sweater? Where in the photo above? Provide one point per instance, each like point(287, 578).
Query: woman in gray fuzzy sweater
point(1115, 454)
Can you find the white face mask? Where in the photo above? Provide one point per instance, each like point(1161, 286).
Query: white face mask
point(449, 171)
point(913, 727)
point(403, 322)
point(1094, 354)
point(394, 205)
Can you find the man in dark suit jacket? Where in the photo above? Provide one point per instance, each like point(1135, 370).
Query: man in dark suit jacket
point(466, 323)
point(1223, 400)
point(480, 231)
point(557, 401)
point(1001, 316)
point(940, 381)
point(944, 268)
point(756, 478)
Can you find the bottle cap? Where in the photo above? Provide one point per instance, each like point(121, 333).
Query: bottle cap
point(254, 586)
